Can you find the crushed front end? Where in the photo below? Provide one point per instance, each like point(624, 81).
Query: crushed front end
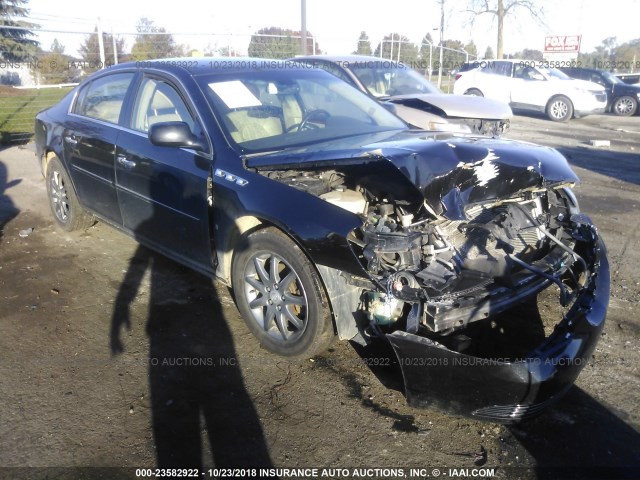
point(505, 389)
point(453, 235)
point(438, 277)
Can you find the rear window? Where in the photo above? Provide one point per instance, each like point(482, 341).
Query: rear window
point(103, 98)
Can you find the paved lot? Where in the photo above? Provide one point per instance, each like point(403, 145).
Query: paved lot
point(81, 387)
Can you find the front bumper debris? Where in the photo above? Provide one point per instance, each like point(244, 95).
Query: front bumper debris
point(509, 391)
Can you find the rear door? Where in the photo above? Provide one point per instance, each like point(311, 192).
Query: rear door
point(494, 80)
point(89, 140)
point(163, 191)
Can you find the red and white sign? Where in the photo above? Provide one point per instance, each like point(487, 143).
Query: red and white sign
point(562, 43)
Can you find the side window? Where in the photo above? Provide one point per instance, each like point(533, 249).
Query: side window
point(103, 98)
point(156, 102)
point(498, 68)
point(527, 73)
point(504, 68)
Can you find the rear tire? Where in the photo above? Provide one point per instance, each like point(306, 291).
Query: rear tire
point(66, 208)
point(559, 109)
point(280, 295)
point(625, 106)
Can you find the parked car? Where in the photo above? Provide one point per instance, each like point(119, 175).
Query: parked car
point(414, 99)
point(622, 97)
point(530, 86)
point(629, 78)
point(328, 216)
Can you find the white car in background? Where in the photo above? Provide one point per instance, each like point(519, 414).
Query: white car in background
point(412, 97)
point(532, 86)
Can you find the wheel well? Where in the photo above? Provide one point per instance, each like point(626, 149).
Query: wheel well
point(245, 226)
point(558, 95)
point(225, 247)
point(242, 227)
point(46, 158)
point(617, 97)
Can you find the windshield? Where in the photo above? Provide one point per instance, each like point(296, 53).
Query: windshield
point(266, 110)
point(384, 78)
point(611, 77)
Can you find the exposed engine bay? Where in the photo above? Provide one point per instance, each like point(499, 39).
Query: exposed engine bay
point(429, 274)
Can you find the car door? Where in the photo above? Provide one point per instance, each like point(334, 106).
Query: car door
point(163, 191)
point(89, 140)
point(529, 88)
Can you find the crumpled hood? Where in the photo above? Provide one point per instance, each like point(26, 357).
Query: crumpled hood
point(449, 172)
point(458, 106)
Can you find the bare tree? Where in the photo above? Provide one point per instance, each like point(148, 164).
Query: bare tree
point(500, 9)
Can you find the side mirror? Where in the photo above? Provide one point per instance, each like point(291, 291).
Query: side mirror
point(174, 134)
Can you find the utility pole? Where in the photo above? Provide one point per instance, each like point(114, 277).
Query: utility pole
point(115, 47)
point(101, 44)
point(441, 42)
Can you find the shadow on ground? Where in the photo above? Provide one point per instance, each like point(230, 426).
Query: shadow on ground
point(8, 210)
point(195, 381)
point(576, 438)
point(579, 438)
point(620, 165)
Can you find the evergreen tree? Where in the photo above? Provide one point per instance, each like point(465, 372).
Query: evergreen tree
point(16, 44)
point(154, 42)
point(56, 67)
point(364, 45)
point(488, 53)
point(395, 45)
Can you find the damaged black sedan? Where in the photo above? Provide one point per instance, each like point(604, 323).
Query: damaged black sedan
point(328, 216)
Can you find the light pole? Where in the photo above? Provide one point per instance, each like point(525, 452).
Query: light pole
point(441, 42)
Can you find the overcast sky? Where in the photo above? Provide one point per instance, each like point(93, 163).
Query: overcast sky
point(336, 24)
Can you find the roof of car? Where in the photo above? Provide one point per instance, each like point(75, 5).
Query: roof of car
point(585, 69)
point(197, 66)
point(513, 60)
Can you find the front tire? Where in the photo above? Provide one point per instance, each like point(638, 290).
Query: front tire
point(625, 106)
point(66, 208)
point(560, 109)
point(280, 296)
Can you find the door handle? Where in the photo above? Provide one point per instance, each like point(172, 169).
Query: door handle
point(71, 139)
point(128, 164)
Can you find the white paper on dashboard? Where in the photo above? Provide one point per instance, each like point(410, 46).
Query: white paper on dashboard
point(235, 94)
